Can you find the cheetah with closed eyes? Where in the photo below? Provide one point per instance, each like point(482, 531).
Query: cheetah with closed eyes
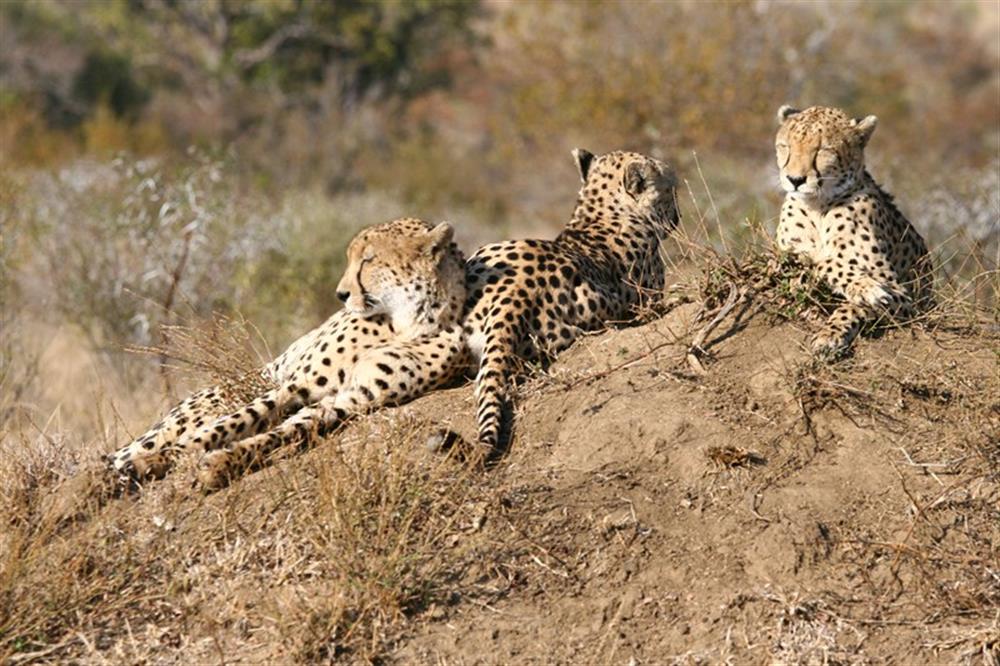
point(530, 299)
point(398, 336)
point(837, 218)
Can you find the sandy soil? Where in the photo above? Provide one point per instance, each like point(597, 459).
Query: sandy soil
point(766, 512)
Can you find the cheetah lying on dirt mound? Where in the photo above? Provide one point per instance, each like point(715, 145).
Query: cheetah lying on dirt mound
point(398, 336)
point(837, 218)
point(529, 299)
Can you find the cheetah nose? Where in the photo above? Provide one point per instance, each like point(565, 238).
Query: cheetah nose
point(343, 296)
point(796, 181)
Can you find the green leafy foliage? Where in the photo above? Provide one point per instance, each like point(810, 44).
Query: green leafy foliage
point(108, 78)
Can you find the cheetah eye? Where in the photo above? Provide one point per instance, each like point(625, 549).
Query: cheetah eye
point(783, 153)
point(826, 157)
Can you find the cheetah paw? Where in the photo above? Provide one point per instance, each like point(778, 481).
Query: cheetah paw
point(139, 467)
point(871, 292)
point(829, 346)
point(214, 470)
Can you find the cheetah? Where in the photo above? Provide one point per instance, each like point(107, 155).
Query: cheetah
point(530, 299)
point(840, 221)
point(398, 335)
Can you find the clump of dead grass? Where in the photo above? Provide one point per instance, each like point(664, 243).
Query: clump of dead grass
point(389, 543)
point(350, 546)
point(226, 351)
point(810, 631)
point(731, 455)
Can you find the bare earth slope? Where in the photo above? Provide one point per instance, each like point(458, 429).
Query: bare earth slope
point(764, 512)
point(747, 506)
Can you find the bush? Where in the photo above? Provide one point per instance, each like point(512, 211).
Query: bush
point(134, 245)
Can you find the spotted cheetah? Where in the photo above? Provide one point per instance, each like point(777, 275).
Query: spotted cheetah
point(530, 299)
point(398, 335)
point(838, 219)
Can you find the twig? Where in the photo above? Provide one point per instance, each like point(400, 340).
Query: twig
point(561, 574)
point(624, 364)
point(168, 305)
point(699, 339)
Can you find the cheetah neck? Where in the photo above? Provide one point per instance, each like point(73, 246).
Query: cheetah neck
point(823, 204)
point(868, 183)
point(414, 320)
point(419, 318)
point(589, 243)
point(604, 241)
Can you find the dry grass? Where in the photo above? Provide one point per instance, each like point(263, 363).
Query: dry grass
point(338, 554)
point(226, 351)
point(349, 544)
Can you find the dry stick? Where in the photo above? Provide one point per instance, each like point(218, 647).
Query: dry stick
point(920, 514)
point(624, 364)
point(699, 339)
point(919, 511)
point(168, 305)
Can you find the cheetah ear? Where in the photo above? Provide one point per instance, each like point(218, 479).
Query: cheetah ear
point(583, 160)
point(865, 127)
point(439, 238)
point(785, 112)
point(636, 178)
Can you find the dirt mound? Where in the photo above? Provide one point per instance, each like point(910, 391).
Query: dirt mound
point(767, 510)
point(660, 502)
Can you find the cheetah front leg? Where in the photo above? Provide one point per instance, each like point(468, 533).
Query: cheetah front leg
point(840, 330)
point(218, 467)
point(867, 299)
point(387, 375)
point(150, 455)
point(796, 231)
point(248, 420)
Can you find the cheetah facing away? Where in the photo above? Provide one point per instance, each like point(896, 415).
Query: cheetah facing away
point(839, 220)
point(398, 336)
point(529, 299)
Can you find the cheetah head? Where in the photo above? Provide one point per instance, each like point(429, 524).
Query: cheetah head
point(406, 269)
point(821, 151)
point(638, 191)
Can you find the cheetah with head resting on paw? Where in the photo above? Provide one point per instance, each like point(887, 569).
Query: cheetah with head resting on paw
point(839, 220)
point(530, 299)
point(398, 336)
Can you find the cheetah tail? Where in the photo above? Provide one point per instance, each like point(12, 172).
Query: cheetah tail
point(493, 391)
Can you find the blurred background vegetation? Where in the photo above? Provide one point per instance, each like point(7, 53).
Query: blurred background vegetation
point(166, 159)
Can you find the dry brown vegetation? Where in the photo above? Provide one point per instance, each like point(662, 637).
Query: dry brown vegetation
point(691, 489)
